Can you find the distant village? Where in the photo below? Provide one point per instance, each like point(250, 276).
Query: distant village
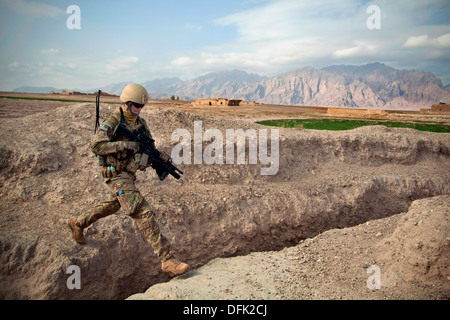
point(440, 108)
point(217, 102)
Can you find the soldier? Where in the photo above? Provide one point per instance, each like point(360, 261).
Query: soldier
point(121, 159)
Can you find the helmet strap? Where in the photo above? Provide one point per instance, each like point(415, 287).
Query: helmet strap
point(129, 109)
point(125, 110)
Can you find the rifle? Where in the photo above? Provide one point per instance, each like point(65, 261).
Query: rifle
point(146, 145)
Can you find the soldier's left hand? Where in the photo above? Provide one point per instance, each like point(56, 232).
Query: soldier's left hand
point(109, 172)
point(112, 170)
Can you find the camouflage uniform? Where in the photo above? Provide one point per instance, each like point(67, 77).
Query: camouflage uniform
point(124, 193)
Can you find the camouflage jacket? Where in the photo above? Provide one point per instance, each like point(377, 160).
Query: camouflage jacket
point(104, 144)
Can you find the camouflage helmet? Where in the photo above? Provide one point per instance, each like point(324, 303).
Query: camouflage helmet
point(135, 93)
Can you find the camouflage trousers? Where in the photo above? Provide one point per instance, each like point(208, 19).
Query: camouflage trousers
point(125, 195)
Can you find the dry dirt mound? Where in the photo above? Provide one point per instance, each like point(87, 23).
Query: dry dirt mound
point(325, 180)
point(410, 249)
point(418, 251)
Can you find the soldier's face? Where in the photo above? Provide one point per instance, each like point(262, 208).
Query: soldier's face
point(135, 110)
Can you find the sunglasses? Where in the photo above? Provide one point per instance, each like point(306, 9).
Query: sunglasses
point(138, 105)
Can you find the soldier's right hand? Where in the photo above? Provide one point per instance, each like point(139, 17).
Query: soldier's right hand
point(131, 145)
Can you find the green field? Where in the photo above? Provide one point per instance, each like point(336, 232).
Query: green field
point(339, 124)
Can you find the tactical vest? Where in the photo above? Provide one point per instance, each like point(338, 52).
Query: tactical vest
point(120, 159)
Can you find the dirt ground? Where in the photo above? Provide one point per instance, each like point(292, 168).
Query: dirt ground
point(336, 264)
point(340, 203)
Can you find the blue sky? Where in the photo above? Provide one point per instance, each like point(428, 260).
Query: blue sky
point(145, 40)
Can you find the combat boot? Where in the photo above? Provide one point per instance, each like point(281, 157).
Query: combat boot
point(174, 266)
point(77, 232)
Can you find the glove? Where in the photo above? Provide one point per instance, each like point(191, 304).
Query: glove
point(164, 156)
point(131, 145)
point(109, 172)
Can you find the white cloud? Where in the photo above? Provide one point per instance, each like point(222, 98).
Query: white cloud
point(51, 52)
point(123, 65)
point(72, 66)
point(31, 9)
point(19, 67)
point(14, 64)
point(291, 18)
point(360, 50)
point(193, 27)
point(423, 41)
point(182, 61)
point(259, 57)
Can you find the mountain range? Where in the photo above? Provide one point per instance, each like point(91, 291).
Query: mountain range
point(369, 86)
